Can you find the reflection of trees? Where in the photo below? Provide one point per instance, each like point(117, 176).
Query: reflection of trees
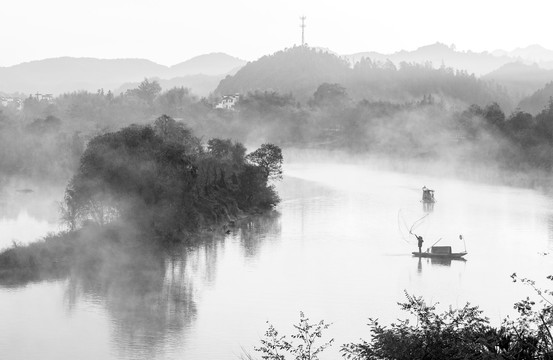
point(201, 260)
point(255, 230)
point(148, 295)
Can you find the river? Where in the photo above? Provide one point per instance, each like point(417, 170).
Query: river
point(337, 248)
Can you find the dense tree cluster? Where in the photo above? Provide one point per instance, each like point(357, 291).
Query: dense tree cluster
point(535, 103)
point(160, 177)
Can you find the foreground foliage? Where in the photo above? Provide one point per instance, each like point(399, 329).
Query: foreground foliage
point(453, 334)
point(302, 344)
point(461, 333)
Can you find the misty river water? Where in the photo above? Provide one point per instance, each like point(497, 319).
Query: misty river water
point(336, 249)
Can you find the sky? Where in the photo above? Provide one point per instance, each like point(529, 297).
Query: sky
point(171, 31)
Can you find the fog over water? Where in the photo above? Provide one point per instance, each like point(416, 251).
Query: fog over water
point(335, 249)
point(28, 211)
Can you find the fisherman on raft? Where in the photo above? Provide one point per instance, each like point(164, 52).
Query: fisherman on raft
point(419, 242)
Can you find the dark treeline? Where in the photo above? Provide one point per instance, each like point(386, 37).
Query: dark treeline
point(162, 178)
point(318, 100)
point(46, 139)
point(41, 148)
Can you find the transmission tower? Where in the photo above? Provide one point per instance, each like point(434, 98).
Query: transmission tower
point(302, 30)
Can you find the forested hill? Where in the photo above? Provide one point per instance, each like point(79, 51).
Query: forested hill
point(538, 101)
point(521, 79)
point(208, 64)
point(300, 70)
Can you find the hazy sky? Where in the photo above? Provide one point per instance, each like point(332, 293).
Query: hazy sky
point(171, 31)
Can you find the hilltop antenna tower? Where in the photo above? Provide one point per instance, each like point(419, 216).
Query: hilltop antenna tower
point(302, 18)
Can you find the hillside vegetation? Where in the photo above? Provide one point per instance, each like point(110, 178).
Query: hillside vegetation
point(300, 70)
point(539, 100)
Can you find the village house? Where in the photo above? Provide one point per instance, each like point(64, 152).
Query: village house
point(228, 101)
point(49, 98)
point(11, 101)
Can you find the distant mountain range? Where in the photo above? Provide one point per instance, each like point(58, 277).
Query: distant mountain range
point(67, 74)
point(478, 63)
point(439, 54)
point(521, 71)
point(520, 79)
point(533, 53)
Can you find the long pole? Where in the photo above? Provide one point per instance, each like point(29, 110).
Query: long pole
point(437, 242)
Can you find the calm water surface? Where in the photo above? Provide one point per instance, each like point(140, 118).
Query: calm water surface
point(27, 211)
point(337, 249)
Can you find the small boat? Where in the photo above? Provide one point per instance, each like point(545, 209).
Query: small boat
point(428, 196)
point(442, 252)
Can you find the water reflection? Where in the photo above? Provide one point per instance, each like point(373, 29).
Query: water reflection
point(151, 296)
point(39, 201)
point(253, 232)
point(27, 211)
point(428, 207)
point(148, 297)
point(445, 262)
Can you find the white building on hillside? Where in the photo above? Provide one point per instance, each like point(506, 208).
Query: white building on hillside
point(228, 101)
point(11, 101)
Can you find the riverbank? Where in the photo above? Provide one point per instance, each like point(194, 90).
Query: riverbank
point(93, 246)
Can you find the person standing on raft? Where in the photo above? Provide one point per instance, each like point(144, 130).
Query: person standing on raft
point(419, 242)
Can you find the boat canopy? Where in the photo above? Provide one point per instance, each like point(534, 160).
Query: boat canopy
point(445, 250)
